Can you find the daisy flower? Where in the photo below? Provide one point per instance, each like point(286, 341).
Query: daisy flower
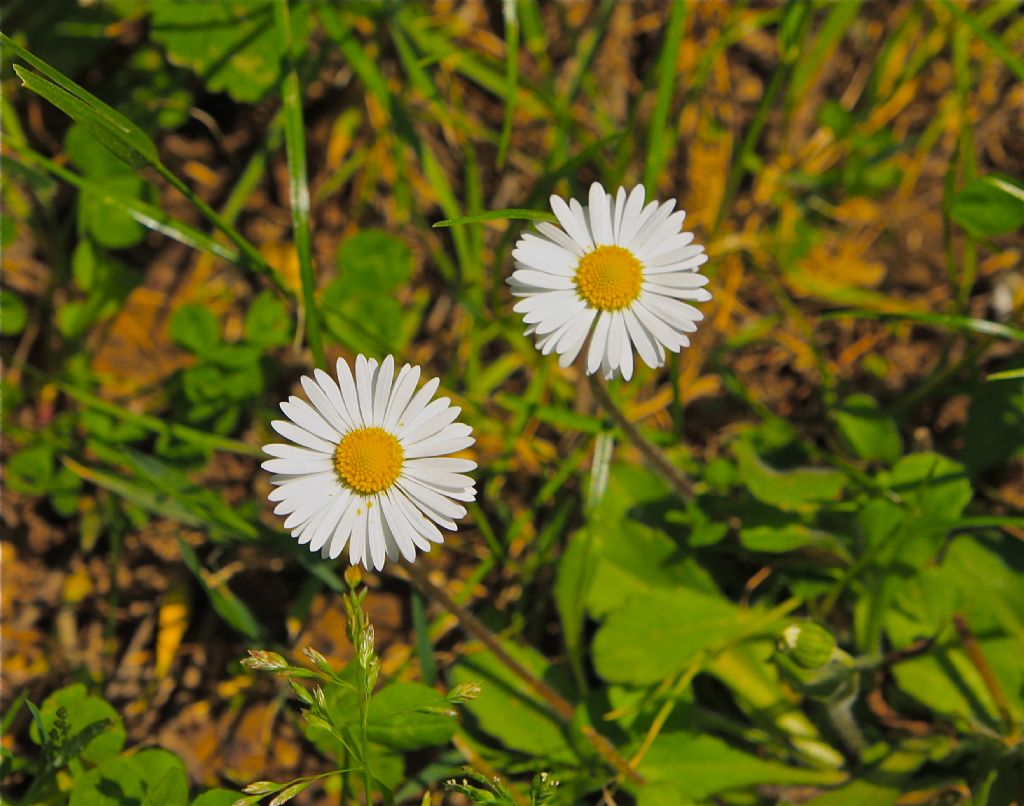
point(615, 271)
point(365, 463)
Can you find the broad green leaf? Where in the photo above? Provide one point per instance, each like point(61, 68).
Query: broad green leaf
point(572, 586)
point(797, 489)
point(232, 46)
point(881, 784)
point(509, 709)
point(396, 722)
point(217, 797)
point(171, 789)
point(696, 767)
point(83, 710)
point(267, 322)
point(373, 261)
point(989, 206)
point(788, 537)
point(155, 763)
point(195, 328)
point(117, 781)
point(871, 435)
point(13, 313)
point(995, 425)
point(980, 579)
point(933, 486)
point(655, 634)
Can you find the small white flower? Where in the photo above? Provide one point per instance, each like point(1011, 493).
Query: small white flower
point(368, 466)
point(616, 271)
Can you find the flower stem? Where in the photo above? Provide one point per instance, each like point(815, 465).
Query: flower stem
point(651, 452)
point(562, 707)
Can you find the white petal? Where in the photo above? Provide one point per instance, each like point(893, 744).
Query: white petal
point(631, 218)
point(343, 530)
point(572, 225)
point(300, 412)
point(385, 377)
point(441, 510)
point(645, 344)
point(417, 520)
point(280, 451)
point(300, 436)
point(555, 319)
point(427, 426)
point(324, 407)
point(544, 299)
point(366, 370)
point(297, 466)
point(598, 343)
point(661, 332)
point(347, 385)
point(542, 254)
point(541, 279)
point(444, 464)
point(571, 342)
point(404, 535)
point(357, 548)
point(330, 521)
point(299, 487)
point(400, 397)
point(330, 388)
point(418, 403)
point(438, 447)
point(616, 337)
point(600, 215)
point(375, 536)
point(618, 213)
point(553, 233)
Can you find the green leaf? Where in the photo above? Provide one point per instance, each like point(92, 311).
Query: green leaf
point(83, 710)
point(509, 709)
point(13, 313)
point(797, 489)
point(870, 434)
point(989, 206)
point(932, 485)
point(995, 425)
point(120, 136)
point(170, 790)
point(232, 46)
point(156, 763)
point(692, 767)
point(195, 328)
point(217, 797)
point(267, 322)
point(228, 606)
point(373, 261)
point(395, 722)
point(654, 635)
point(499, 215)
point(118, 781)
point(788, 537)
point(30, 470)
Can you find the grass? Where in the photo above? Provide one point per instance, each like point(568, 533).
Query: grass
point(841, 443)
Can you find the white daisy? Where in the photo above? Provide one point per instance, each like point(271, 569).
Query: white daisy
point(368, 466)
point(616, 271)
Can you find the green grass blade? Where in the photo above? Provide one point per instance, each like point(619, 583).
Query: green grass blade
point(962, 324)
point(298, 183)
point(511, 76)
point(145, 214)
point(662, 137)
point(118, 134)
point(1013, 62)
point(1006, 375)
point(499, 215)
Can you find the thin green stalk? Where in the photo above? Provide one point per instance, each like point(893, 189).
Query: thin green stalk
point(254, 259)
point(651, 452)
point(661, 137)
point(749, 144)
point(298, 182)
point(511, 76)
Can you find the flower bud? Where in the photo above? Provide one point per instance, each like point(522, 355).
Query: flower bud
point(809, 644)
point(262, 660)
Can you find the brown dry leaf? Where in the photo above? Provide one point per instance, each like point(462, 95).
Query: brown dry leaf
point(172, 622)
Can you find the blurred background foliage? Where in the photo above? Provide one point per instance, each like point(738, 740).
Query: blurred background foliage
point(851, 412)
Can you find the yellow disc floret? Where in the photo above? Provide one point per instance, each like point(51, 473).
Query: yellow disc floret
point(609, 278)
point(369, 460)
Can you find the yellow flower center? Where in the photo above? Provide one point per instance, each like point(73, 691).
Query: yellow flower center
point(609, 278)
point(369, 459)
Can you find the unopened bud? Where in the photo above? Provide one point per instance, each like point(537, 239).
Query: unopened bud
point(262, 660)
point(809, 644)
point(464, 692)
point(319, 660)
